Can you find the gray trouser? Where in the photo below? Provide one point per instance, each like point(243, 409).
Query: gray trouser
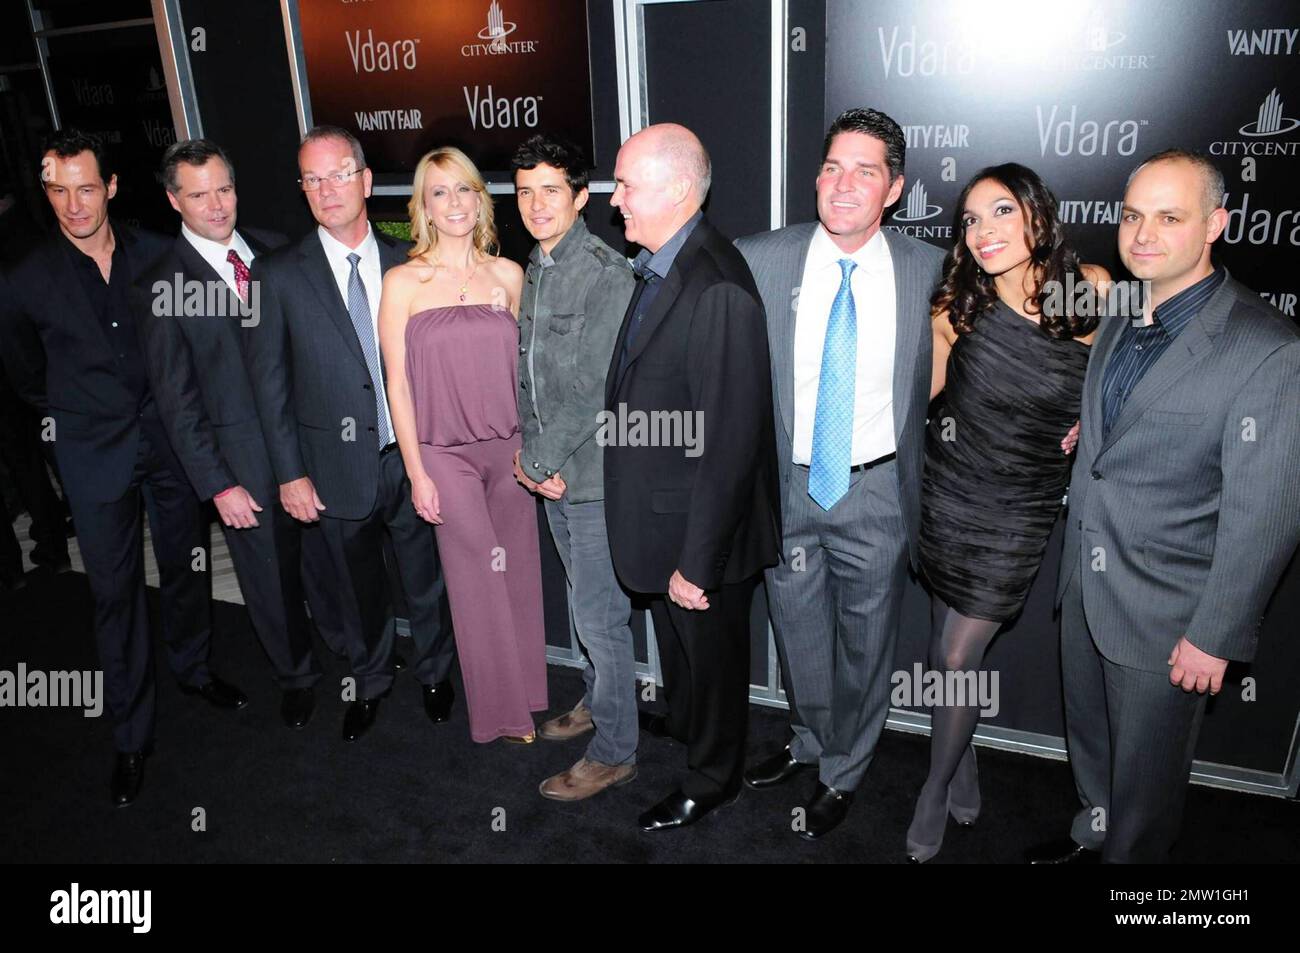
point(601, 610)
point(835, 604)
point(1131, 735)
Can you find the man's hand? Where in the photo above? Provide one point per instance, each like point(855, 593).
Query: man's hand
point(523, 480)
point(300, 501)
point(1195, 670)
point(552, 487)
point(1071, 440)
point(685, 594)
point(237, 508)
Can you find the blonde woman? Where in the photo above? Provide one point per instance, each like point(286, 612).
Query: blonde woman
point(447, 327)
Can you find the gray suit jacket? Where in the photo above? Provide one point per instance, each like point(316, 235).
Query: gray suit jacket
point(1183, 518)
point(777, 261)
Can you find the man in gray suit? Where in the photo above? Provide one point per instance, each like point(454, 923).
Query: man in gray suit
point(1184, 510)
point(851, 398)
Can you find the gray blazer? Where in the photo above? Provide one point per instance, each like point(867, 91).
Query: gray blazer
point(777, 261)
point(1182, 520)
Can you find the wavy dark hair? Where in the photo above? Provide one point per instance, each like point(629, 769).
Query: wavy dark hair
point(967, 291)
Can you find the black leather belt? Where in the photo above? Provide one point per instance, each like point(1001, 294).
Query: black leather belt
point(861, 467)
point(388, 449)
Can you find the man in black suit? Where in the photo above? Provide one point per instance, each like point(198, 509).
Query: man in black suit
point(314, 363)
point(71, 293)
point(690, 461)
point(190, 306)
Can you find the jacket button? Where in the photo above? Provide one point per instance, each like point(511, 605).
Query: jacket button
point(523, 350)
point(536, 466)
point(1096, 474)
point(365, 387)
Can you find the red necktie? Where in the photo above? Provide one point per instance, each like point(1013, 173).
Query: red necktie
point(241, 273)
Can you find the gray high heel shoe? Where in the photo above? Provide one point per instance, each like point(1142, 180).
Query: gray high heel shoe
point(965, 814)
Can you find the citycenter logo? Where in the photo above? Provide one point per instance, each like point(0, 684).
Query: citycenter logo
point(1097, 38)
point(494, 37)
point(917, 208)
point(1270, 121)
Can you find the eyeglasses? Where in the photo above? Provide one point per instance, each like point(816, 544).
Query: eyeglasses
point(310, 183)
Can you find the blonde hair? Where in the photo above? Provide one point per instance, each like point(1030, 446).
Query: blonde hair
point(452, 160)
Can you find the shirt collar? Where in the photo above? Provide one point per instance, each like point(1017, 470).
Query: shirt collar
point(215, 253)
point(661, 262)
point(824, 253)
point(337, 252)
point(1176, 313)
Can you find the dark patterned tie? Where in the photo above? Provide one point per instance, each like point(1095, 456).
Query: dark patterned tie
point(241, 273)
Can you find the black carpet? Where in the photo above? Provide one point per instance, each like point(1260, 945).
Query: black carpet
point(412, 791)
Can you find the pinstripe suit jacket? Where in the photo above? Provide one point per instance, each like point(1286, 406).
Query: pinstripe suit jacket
point(1183, 518)
point(309, 376)
point(777, 260)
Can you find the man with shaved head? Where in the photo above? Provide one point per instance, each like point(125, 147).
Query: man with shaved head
point(1184, 511)
point(690, 466)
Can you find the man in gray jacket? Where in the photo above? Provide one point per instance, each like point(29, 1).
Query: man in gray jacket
point(571, 310)
point(1184, 510)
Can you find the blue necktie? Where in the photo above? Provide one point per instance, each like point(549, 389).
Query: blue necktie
point(359, 309)
point(832, 443)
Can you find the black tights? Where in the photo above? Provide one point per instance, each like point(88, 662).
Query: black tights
point(957, 644)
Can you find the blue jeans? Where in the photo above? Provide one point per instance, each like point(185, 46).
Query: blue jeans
point(601, 610)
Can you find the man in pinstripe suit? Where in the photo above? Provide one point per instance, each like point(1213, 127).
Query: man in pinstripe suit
point(1184, 510)
point(848, 318)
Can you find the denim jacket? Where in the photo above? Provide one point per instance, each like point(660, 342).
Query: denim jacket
point(570, 314)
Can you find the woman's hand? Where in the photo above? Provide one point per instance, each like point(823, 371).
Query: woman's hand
point(424, 497)
point(1071, 440)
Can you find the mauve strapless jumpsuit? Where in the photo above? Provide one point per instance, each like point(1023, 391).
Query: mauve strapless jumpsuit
point(461, 364)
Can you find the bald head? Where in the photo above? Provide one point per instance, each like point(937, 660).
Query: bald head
point(662, 176)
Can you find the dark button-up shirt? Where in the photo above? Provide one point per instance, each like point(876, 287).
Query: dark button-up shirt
point(651, 269)
point(1140, 345)
point(110, 303)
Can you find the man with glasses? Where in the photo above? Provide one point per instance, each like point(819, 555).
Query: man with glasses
point(314, 362)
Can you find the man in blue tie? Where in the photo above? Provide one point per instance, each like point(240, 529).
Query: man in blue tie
point(848, 322)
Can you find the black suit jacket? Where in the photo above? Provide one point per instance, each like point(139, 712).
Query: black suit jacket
point(310, 379)
point(196, 369)
point(60, 362)
point(702, 348)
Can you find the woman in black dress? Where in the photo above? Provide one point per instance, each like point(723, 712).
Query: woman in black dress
point(1013, 318)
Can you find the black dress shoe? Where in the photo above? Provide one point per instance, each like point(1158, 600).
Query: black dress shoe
point(359, 717)
point(297, 705)
point(1062, 851)
point(399, 663)
point(437, 700)
point(128, 774)
point(677, 810)
point(825, 811)
point(654, 724)
point(218, 693)
point(775, 770)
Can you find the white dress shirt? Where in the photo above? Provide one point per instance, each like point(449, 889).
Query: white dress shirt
point(214, 253)
point(372, 277)
point(872, 284)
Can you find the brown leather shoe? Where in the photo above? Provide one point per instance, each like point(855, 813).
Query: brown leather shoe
point(585, 779)
point(566, 726)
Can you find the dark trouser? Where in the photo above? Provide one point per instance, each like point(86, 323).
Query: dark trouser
point(1131, 736)
point(268, 562)
point(704, 656)
point(109, 535)
point(356, 547)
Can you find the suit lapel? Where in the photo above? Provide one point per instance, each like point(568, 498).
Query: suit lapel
point(196, 266)
point(909, 296)
point(1175, 363)
point(320, 278)
point(783, 286)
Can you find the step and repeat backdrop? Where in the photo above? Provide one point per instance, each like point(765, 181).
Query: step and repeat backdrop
point(1082, 92)
point(407, 75)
